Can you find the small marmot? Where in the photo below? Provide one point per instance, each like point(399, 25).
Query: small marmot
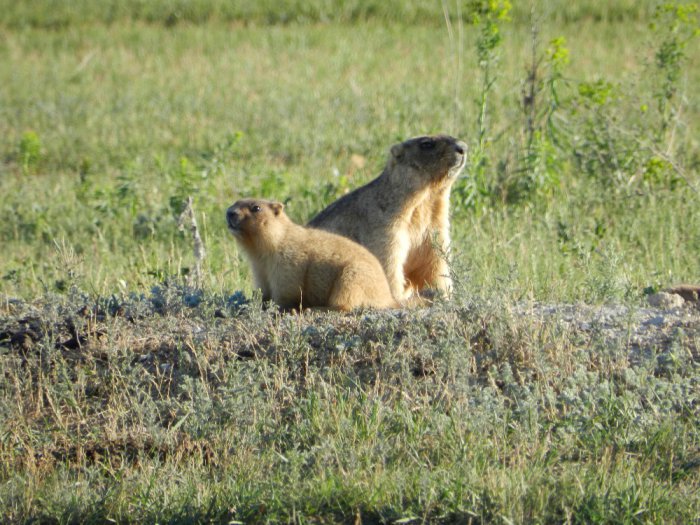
point(402, 216)
point(299, 267)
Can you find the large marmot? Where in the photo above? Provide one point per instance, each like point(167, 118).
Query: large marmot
point(299, 267)
point(402, 216)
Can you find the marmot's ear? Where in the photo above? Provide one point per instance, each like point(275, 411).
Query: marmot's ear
point(277, 207)
point(397, 151)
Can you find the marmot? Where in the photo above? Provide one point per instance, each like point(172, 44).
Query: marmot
point(402, 216)
point(299, 267)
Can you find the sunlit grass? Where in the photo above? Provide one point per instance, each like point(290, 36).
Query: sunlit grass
point(129, 115)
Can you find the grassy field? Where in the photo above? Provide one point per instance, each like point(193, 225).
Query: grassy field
point(113, 113)
point(106, 128)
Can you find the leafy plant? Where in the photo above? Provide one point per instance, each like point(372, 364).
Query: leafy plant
point(602, 150)
point(488, 16)
point(624, 154)
point(30, 150)
point(544, 140)
point(674, 25)
point(183, 186)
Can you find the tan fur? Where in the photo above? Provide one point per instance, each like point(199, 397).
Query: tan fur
point(402, 216)
point(300, 267)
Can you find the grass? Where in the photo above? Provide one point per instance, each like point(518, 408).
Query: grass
point(221, 112)
point(48, 14)
point(125, 396)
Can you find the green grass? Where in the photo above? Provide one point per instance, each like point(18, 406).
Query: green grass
point(51, 14)
point(112, 113)
point(128, 119)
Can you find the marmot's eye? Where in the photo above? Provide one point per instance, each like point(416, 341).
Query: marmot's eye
point(426, 144)
point(255, 208)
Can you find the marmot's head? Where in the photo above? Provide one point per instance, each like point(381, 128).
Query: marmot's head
point(436, 159)
point(257, 224)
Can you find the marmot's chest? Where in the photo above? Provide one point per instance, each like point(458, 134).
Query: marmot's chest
point(422, 220)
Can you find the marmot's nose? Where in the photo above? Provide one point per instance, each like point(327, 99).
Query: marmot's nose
point(459, 149)
point(231, 216)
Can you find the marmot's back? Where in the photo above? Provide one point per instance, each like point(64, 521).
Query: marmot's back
point(350, 215)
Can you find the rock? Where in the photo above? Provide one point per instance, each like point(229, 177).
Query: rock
point(667, 301)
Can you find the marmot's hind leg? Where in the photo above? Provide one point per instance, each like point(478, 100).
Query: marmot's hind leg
point(361, 287)
point(346, 294)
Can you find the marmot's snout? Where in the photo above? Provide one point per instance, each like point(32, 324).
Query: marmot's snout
point(460, 158)
point(233, 218)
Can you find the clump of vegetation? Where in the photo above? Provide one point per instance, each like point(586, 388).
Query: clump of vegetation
point(577, 121)
point(489, 18)
point(29, 150)
point(168, 407)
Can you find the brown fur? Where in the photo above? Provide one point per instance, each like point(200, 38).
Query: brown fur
point(300, 267)
point(689, 292)
point(402, 216)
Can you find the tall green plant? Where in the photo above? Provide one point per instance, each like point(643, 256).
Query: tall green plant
point(675, 25)
point(489, 16)
point(542, 142)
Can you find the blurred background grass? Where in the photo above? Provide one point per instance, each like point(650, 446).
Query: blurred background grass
point(111, 113)
point(52, 14)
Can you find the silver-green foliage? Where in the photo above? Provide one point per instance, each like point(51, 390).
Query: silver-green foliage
point(162, 407)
